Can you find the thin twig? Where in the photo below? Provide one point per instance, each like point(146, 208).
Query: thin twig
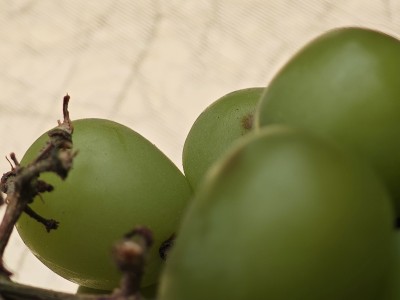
point(130, 256)
point(15, 291)
point(21, 184)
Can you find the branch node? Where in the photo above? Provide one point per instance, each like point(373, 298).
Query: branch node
point(130, 256)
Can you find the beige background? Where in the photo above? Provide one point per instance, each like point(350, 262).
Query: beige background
point(151, 65)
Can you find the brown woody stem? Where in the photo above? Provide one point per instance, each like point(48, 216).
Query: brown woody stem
point(21, 184)
point(130, 255)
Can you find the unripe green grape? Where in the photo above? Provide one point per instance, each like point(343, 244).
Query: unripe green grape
point(284, 215)
point(344, 85)
point(392, 289)
point(215, 130)
point(119, 180)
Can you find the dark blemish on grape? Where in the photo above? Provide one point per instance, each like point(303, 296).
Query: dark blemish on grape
point(247, 121)
point(166, 246)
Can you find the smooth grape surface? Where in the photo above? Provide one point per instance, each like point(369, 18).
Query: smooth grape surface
point(119, 180)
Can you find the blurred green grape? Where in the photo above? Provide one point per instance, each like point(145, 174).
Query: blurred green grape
point(284, 215)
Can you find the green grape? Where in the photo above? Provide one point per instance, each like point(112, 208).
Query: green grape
point(344, 85)
point(285, 215)
point(119, 181)
point(392, 289)
point(216, 128)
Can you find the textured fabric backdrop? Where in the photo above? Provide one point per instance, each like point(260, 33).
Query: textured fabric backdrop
point(151, 65)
